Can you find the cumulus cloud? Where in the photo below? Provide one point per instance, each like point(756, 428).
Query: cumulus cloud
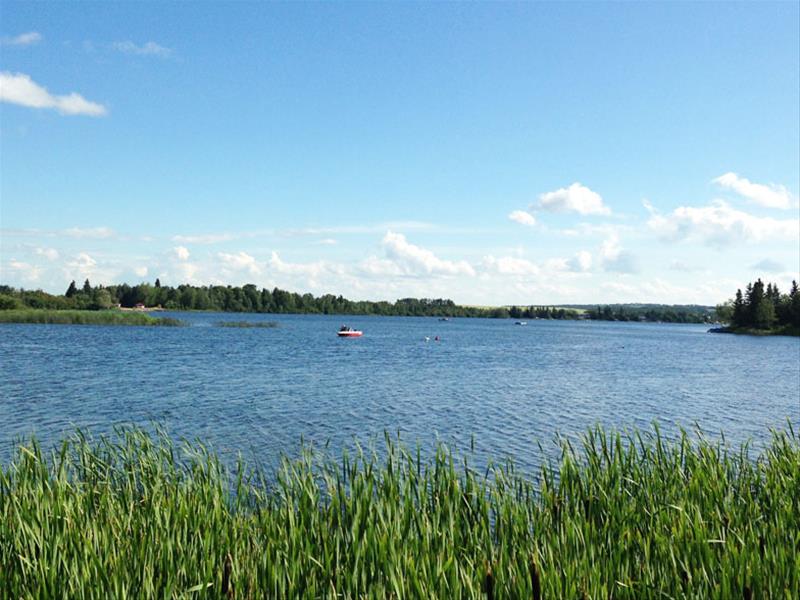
point(140, 271)
point(661, 291)
point(510, 265)
point(768, 266)
point(23, 39)
point(615, 259)
point(241, 261)
point(318, 275)
point(48, 253)
point(720, 224)
point(522, 217)
point(146, 49)
point(209, 238)
point(181, 252)
point(18, 88)
point(287, 268)
point(679, 265)
point(581, 262)
point(415, 260)
point(770, 196)
point(82, 266)
point(24, 271)
point(96, 233)
point(575, 198)
point(187, 272)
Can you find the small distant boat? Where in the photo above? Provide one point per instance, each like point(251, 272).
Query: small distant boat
point(444, 318)
point(349, 332)
point(521, 323)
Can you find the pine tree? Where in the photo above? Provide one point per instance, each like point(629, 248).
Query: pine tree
point(794, 296)
point(158, 282)
point(761, 307)
point(739, 310)
point(87, 287)
point(71, 290)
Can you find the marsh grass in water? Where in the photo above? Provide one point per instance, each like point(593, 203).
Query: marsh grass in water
point(84, 317)
point(623, 516)
point(248, 324)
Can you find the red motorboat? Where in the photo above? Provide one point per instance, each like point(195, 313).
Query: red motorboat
point(349, 332)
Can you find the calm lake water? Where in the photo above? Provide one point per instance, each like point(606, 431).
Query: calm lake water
point(261, 391)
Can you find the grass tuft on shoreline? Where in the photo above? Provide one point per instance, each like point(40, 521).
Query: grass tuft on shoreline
point(623, 516)
point(84, 317)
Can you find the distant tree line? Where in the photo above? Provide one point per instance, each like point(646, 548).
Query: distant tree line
point(763, 308)
point(249, 298)
point(542, 312)
point(220, 298)
point(651, 313)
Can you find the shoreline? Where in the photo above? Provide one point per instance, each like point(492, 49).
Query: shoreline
point(787, 331)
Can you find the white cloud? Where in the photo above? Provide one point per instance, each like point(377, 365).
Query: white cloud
point(770, 196)
point(664, 292)
point(97, 233)
point(327, 242)
point(146, 49)
point(309, 269)
point(240, 261)
point(581, 262)
point(320, 276)
point(48, 253)
point(415, 260)
point(187, 273)
point(522, 217)
point(610, 250)
point(768, 265)
point(613, 258)
point(720, 224)
point(630, 292)
point(23, 39)
point(82, 266)
point(679, 265)
point(210, 238)
point(18, 88)
point(181, 252)
point(380, 267)
point(510, 265)
point(575, 198)
point(25, 271)
point(140, 271)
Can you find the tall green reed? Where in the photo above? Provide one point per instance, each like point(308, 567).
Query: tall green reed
point(622, 516)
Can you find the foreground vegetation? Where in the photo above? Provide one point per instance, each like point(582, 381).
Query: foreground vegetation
point(250, 299)
point(762, 311)
point(83, 317)
point(623, 517)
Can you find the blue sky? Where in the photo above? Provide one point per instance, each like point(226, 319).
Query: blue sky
point(490, 153)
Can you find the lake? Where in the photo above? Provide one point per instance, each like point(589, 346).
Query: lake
point(261, 391)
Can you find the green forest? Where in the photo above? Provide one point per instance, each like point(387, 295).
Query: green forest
point(250, 298)
point(762, 310)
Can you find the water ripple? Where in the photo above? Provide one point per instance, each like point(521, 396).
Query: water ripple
point(263, 390)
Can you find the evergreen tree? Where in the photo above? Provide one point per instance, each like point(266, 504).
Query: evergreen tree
point(158, 282)
point(87, 287)
point(739, 311)
point(71, 290)
point(794, 300)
